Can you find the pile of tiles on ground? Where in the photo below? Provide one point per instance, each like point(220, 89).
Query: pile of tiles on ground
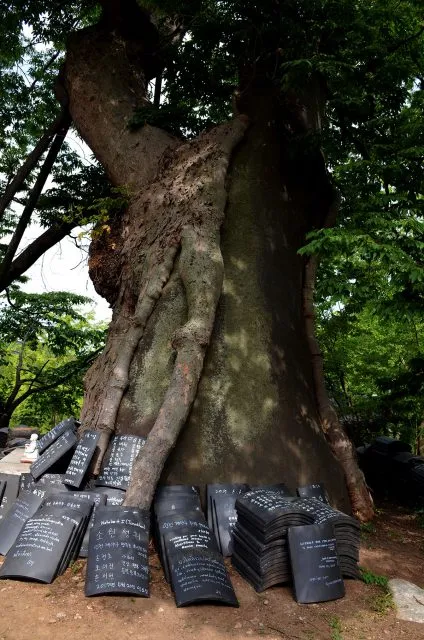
point(188, 549)
point(260, 549)
point(392, 470)
point(221, 512)
point(42, 536)
point(346, 529)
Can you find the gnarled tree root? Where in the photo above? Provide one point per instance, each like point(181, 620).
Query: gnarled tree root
point(122, 343)
point(201, 269)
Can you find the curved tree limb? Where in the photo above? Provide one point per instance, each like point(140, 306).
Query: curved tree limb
point(35, 250)
point(23, 172)
point(202, 270)
point(33, 198)
point(193, 179)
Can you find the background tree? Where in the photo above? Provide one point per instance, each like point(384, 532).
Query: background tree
point(374, 373)
point(33, 131)
point(370, 287)
point(188, 283)
point(47, 344)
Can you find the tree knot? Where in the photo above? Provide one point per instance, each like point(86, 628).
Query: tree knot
point(193, 333)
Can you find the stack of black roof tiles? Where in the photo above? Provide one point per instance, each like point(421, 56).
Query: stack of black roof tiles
point(40, 543)
point(260, 547)
point(188, 548)
point(179, 501)
point(392, 470)
point(221, 510)
point(260, 551)
point(416, 483)
point(346, 530)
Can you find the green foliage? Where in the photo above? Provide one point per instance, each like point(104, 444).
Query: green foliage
point(369, 577)
point(382, 602)
point(336, 628)
point(102, 211)
point(374, 368)
point(75, 192)
point(47, 343)
point(32, 45)
point(367, 528)
point(42, 409)
point(173, 118)
point(52, 317)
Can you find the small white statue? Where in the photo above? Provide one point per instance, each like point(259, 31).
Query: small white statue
point(31, 449)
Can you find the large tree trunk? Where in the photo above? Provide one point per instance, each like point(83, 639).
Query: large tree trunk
point(208, 332)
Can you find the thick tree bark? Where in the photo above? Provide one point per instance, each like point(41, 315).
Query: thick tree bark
point(255, 417)
point(4, 428)
point(4, 421)
point(226, 371)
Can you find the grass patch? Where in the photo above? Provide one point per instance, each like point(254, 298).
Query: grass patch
point(336, 628)
point(382, 602)
point(76, 567)
point(367, 528)
point(369, 577)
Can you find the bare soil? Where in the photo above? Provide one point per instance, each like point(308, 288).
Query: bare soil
point(393, 547)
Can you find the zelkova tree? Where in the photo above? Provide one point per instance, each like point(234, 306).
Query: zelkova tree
point(211, 351)
point(211, 304)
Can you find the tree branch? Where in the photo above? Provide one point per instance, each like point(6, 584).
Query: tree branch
point(34, 196)
point(23, 172)
point(122, 343)
point(158, 90)
point(402, 43)
point(35, 250)
point(37, 375)
point(48, 64)
point(51, 385)
point(340, 444)
point(18, 382)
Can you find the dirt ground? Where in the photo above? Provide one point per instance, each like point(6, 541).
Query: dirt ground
point(393, 547)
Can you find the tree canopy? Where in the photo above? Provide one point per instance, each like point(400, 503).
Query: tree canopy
point(368, 57)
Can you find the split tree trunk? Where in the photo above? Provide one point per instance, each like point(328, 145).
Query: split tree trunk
point(207, 346)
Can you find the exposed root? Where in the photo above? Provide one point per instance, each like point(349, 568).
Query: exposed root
point(201, 269)
point(122, 343)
